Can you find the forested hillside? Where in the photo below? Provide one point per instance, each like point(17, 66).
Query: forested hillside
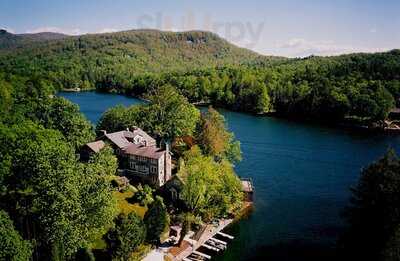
point(359, 86)
point(9, 40)
point(207, 69)
point(115, 58)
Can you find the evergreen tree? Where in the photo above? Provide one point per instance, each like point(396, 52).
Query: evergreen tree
point(156, 220)
point(129, 233)
point(374, 213)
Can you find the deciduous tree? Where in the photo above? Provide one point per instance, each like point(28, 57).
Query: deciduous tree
point(215, 139)
point(12, 246)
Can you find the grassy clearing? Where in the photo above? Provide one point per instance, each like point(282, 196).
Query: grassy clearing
point(124, 207)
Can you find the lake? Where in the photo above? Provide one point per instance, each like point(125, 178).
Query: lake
point(302, 174)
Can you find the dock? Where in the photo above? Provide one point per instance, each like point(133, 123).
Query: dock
point(205, 237)
point(225, 235)
point(218, 241)
point(201, 254)
point(211, 247)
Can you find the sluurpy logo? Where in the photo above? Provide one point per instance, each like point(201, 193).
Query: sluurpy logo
point(244, 33)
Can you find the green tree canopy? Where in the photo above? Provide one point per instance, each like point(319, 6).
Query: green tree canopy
point(210, 189)
point(374, 213)
point(119, 118)
point(65, 200)
point(215, 139)
point(12, 246)
point(168, 115)
point(156, 220)
point(61, 114)
point(128, 234)
point(144, 195)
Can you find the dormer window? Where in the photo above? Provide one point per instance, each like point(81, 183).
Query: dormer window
point(138, 139)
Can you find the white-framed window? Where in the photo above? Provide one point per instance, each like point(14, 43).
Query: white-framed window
point(132, 165)
point(141, 158)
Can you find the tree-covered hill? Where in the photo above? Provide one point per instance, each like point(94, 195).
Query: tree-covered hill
point(360, 88)
point(82, 61)
point(9, 40)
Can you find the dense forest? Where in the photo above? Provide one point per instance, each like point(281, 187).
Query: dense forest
point(49, 211)
point(56, 206)
point(207, 69)
point(87, 60)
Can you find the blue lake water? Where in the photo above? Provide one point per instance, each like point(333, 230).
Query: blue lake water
point(302, 174)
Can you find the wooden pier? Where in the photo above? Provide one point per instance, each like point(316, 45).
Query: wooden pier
point(204, 238)
point(225, 235)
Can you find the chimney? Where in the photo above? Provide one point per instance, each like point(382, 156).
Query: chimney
point(127, 129)
point(104, 132)
point(167, 162)
point(166, 144)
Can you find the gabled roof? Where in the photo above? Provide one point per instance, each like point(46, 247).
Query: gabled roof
point(140, 132)
point(145, 151)
point(96, 146)
point(119, 138)
point(125, 138)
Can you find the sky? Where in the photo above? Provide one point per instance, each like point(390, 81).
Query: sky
point(285, 28)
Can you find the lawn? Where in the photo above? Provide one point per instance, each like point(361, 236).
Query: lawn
point(124, 207)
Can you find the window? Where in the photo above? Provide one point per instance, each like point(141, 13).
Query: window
point(132, 165)
point(141, 158)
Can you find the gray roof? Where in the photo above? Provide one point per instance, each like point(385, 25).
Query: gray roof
point(96, 146)
point(145, 151)
point(125, 138)
point(149, 140)
point(119, 138)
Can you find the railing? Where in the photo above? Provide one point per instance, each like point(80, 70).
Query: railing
point(250, 180)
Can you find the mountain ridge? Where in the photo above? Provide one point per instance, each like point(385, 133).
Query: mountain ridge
point(132, 51)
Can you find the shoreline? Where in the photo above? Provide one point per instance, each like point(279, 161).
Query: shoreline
point(77, 90)
point(196, 240)
point(337, 125)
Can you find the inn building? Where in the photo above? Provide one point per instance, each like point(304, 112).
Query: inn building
point(139, 157)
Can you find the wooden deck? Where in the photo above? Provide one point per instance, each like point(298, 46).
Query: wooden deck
point(247, 185)
point(248, 190)
point(190, 245)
